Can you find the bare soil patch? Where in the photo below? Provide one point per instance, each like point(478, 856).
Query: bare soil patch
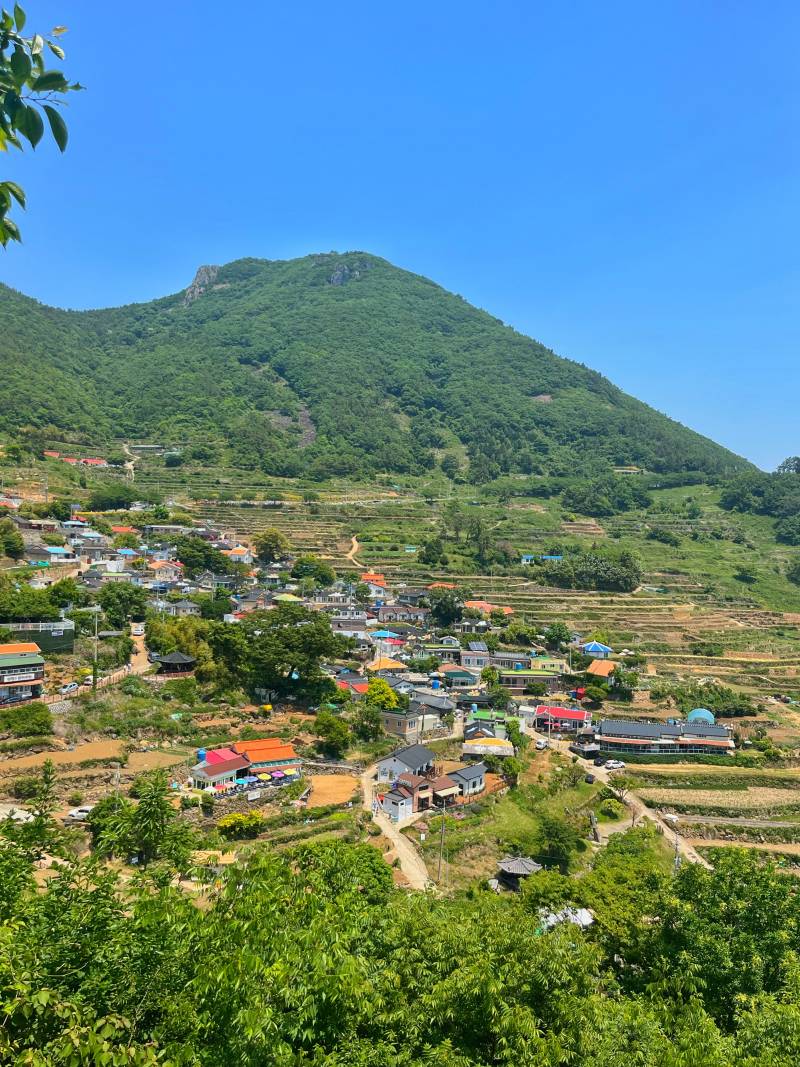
point(331, 789)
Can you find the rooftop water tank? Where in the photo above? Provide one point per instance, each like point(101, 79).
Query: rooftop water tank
point(201, 755)
point(435, 683)
point(701, 715)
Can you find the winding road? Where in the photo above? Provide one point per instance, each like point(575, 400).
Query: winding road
point(411, 863)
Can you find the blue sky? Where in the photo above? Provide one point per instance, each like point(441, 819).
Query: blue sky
point(618, 180)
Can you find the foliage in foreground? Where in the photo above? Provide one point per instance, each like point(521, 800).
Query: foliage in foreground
point(314, 958)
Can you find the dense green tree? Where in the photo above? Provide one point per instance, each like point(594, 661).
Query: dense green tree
point(557, 636)
point(150, 829)
point(11, 542)
point(285, 649)
point(198, 555)
point(321, 573)
point(447, 606)
point(366, 721)
point(270, 545)
point(122, 601)
point(557, 842)
point(112, 496)
point(333, 734)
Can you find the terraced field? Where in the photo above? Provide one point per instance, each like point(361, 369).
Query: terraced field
point(751, 798)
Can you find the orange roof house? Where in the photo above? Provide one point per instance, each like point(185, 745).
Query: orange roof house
point(601, 668)
point(20, 648)
point(373, 578)
point(268, 753)
point(442, 585)
point(486, 607)
point(123, 529)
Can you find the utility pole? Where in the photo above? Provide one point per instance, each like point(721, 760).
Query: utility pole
point(46, 491)
point(94, 658)
point(677, 854)
point(441, 849)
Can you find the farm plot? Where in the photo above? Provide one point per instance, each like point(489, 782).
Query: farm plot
point(751, 798)
point(331, 789)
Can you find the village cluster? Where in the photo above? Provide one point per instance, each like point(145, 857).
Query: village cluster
point(393, 631)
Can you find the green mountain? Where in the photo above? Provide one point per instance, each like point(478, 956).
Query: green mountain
point(327, 365)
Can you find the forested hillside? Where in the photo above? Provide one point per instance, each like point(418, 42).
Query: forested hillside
point(331, 365)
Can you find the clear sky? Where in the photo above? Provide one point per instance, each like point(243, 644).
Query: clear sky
point(619, 180)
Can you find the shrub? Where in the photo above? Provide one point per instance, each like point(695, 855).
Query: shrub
point(24, 788)
point(26, 720)
point(241, 825)
point(207, 804)
point(76, 798)
point(189, 801)
point(611, 809)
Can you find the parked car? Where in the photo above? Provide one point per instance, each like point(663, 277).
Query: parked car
point(70, 687)
point(87, 680)
point(137, 629)
point(599, 761)
point(152, 657)
point(541, 744)
point(614, 765)
point(589, 779)
point(76, 816)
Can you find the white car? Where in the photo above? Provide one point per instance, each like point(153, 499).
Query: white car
point(137, 629)
point(541, 745)
point(70, 687)
point(79, 815)
point(614, 765)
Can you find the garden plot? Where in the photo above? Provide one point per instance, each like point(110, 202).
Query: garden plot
point(752, 798)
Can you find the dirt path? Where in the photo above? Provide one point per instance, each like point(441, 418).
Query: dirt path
point(736, 820)
point(355, 547)
point(130, 463)
point(640, 812)
point(790, 848)
point(411, 863)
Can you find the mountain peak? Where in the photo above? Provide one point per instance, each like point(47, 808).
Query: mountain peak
point(204, 277)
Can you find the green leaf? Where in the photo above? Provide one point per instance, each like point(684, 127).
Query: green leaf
point(8, 232)
point(58, 30)
point(19, 17)
point(57, 126)
point(16, 191)
point(51, 79)
point(37, 44)
point(29, 123)
point(20, 65)
point(56, 49)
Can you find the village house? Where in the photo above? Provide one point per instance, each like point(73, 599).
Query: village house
point(601, 668)
point(549, 717)
point(517, 680)
point(411, 596)
point(165, 570)
point(415, 759)
point(216, 583)
point(176, 609)
point(684, 738)
point(470, 779)
point(476, 655)
point(402, 613)
point(21, 672)
point(457, 677)
point(239, 554)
